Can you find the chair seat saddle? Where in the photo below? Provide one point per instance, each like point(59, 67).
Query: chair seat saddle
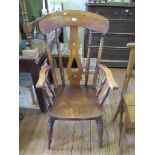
point(76, 103)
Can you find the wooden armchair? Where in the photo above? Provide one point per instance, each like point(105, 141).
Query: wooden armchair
point(74, 101)
point(126, 106)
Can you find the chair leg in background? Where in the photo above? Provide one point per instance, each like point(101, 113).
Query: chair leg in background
point(122, 134)
point(122, 129)
point(99, 123)
point(21, 116)
point(117, 111)
point(121, 115)
point(50, 130)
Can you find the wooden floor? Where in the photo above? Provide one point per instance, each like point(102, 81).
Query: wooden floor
point(78, 137)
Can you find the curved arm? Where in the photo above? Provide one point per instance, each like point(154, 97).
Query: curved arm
point(42, 76)
point(110, 79)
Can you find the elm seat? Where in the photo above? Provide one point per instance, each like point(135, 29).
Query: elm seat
point(76, 103)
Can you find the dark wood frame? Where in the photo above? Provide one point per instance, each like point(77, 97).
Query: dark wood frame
point(33, 66)
point(116, 55)
point(27, 25)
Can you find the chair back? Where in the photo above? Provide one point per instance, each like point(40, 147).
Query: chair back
point(73, 19)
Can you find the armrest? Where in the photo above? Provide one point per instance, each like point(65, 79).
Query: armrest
point(42, 76)
point(110, 79)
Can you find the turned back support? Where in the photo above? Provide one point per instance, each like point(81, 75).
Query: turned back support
point(73, 19)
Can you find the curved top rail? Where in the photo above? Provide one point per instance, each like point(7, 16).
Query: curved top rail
point(73, 18)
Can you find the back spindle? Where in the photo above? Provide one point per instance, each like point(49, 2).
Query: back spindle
point(88, 58)
point(104, 96)
point(49, 56)
point(60, 58)
point(98, 59)
point(101, 86)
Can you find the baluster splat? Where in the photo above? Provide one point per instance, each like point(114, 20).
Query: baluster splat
point(74, 76)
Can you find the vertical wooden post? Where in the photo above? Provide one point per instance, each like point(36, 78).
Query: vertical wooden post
point(46, 6)
point(88, 59)
point(60, 58)
point(49, 56)
point(105, 95)
point(98, 59)
point(99, 122)
point(129, 68)
point(101, 86)
point(50, 130)
point(26, 24)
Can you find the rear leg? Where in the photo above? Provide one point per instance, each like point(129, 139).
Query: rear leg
point(99, 123)
point(50, 130)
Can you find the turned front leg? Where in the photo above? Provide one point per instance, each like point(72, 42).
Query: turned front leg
point(50, 130)
point(99, 123)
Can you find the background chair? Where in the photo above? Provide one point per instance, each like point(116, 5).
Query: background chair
point(75, 101)
point(126, 106)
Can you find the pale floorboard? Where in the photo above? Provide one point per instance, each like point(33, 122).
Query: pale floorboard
point(78, 137)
